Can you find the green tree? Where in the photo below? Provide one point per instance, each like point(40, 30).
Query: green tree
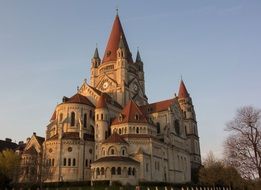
point(9, 165)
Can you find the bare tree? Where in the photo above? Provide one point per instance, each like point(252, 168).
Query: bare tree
point(243, 146)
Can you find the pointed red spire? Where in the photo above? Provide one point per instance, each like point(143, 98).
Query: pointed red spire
point(183, 93)
point(110, 53)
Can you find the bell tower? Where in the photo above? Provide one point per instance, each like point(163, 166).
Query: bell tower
point(191, 128)
point(117, 74)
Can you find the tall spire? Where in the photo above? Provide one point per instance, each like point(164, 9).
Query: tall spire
point(96, 54)
point(183, 93)
point(110, 53)
point(138, 58)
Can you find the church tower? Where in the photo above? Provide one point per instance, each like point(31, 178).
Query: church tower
point(117, 74)
point(190, 122)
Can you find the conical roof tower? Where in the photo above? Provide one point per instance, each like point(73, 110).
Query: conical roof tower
point(117, 33)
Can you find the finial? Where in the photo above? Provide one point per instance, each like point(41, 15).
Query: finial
point(117, 10)
point(78, 89)
point(96, 45)
point(85, 80)
point(181, 77)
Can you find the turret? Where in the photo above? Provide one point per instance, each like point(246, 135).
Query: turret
point(96, 61)
point(101, 119)
point(140, 70)
point(185, 102)
point(191, 128)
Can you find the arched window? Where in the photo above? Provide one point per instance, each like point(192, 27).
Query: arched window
point(112, 151)
point(133, 171)
point(129, 171)
point(86, 163)
point(64, 162)
point(69, 162)
point(119, 170)
point(158, 128)
point(98, 171)
point(101, 116)
point(85, 120)
point(177, 127)
point(125, 130)
point(74, 162)
point(113, 171)
point(123, 152)
point(137, 130)
point(72, 119)
point(102, 171)
point(53, 162)
point(120, 131)
point(61, 117)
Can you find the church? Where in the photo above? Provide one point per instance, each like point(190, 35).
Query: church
point(108, 131)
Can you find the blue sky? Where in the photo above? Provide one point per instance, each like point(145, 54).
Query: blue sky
point(46, 48)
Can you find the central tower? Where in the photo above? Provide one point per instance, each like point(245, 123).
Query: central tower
point(117, 74)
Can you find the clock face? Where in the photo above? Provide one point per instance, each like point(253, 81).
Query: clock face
point(105, 85)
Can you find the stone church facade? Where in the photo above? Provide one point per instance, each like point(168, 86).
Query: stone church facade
point(108, 131)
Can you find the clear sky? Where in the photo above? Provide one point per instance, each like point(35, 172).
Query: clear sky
point(46, 48)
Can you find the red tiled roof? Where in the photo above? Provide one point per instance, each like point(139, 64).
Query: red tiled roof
point(115, 159)
point(114, 138)
point(131, 114)
point(101, 103)
point(110, 53)
point(79, 99)
point(183, 93)
point(157, 106)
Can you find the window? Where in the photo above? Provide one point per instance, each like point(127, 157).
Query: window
point(102, 171)
point(119, 170)
point(69, 162)
point(74, 162)
point(136, 117)
point(137, 130)
point(106, 134)
point(120, 131)
point(123, 152)
point(177, 128)
point(147, 167)
point(98, 171)
point(72, 119)
point(86, 163)
point(64, 162)
point(101, 116)
point(85, 120)
point(112, 151)
point(158, 128)
point(133, 171)
point(97, 117)
point(53, 162)
point(113, 171)
point(129, 171)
